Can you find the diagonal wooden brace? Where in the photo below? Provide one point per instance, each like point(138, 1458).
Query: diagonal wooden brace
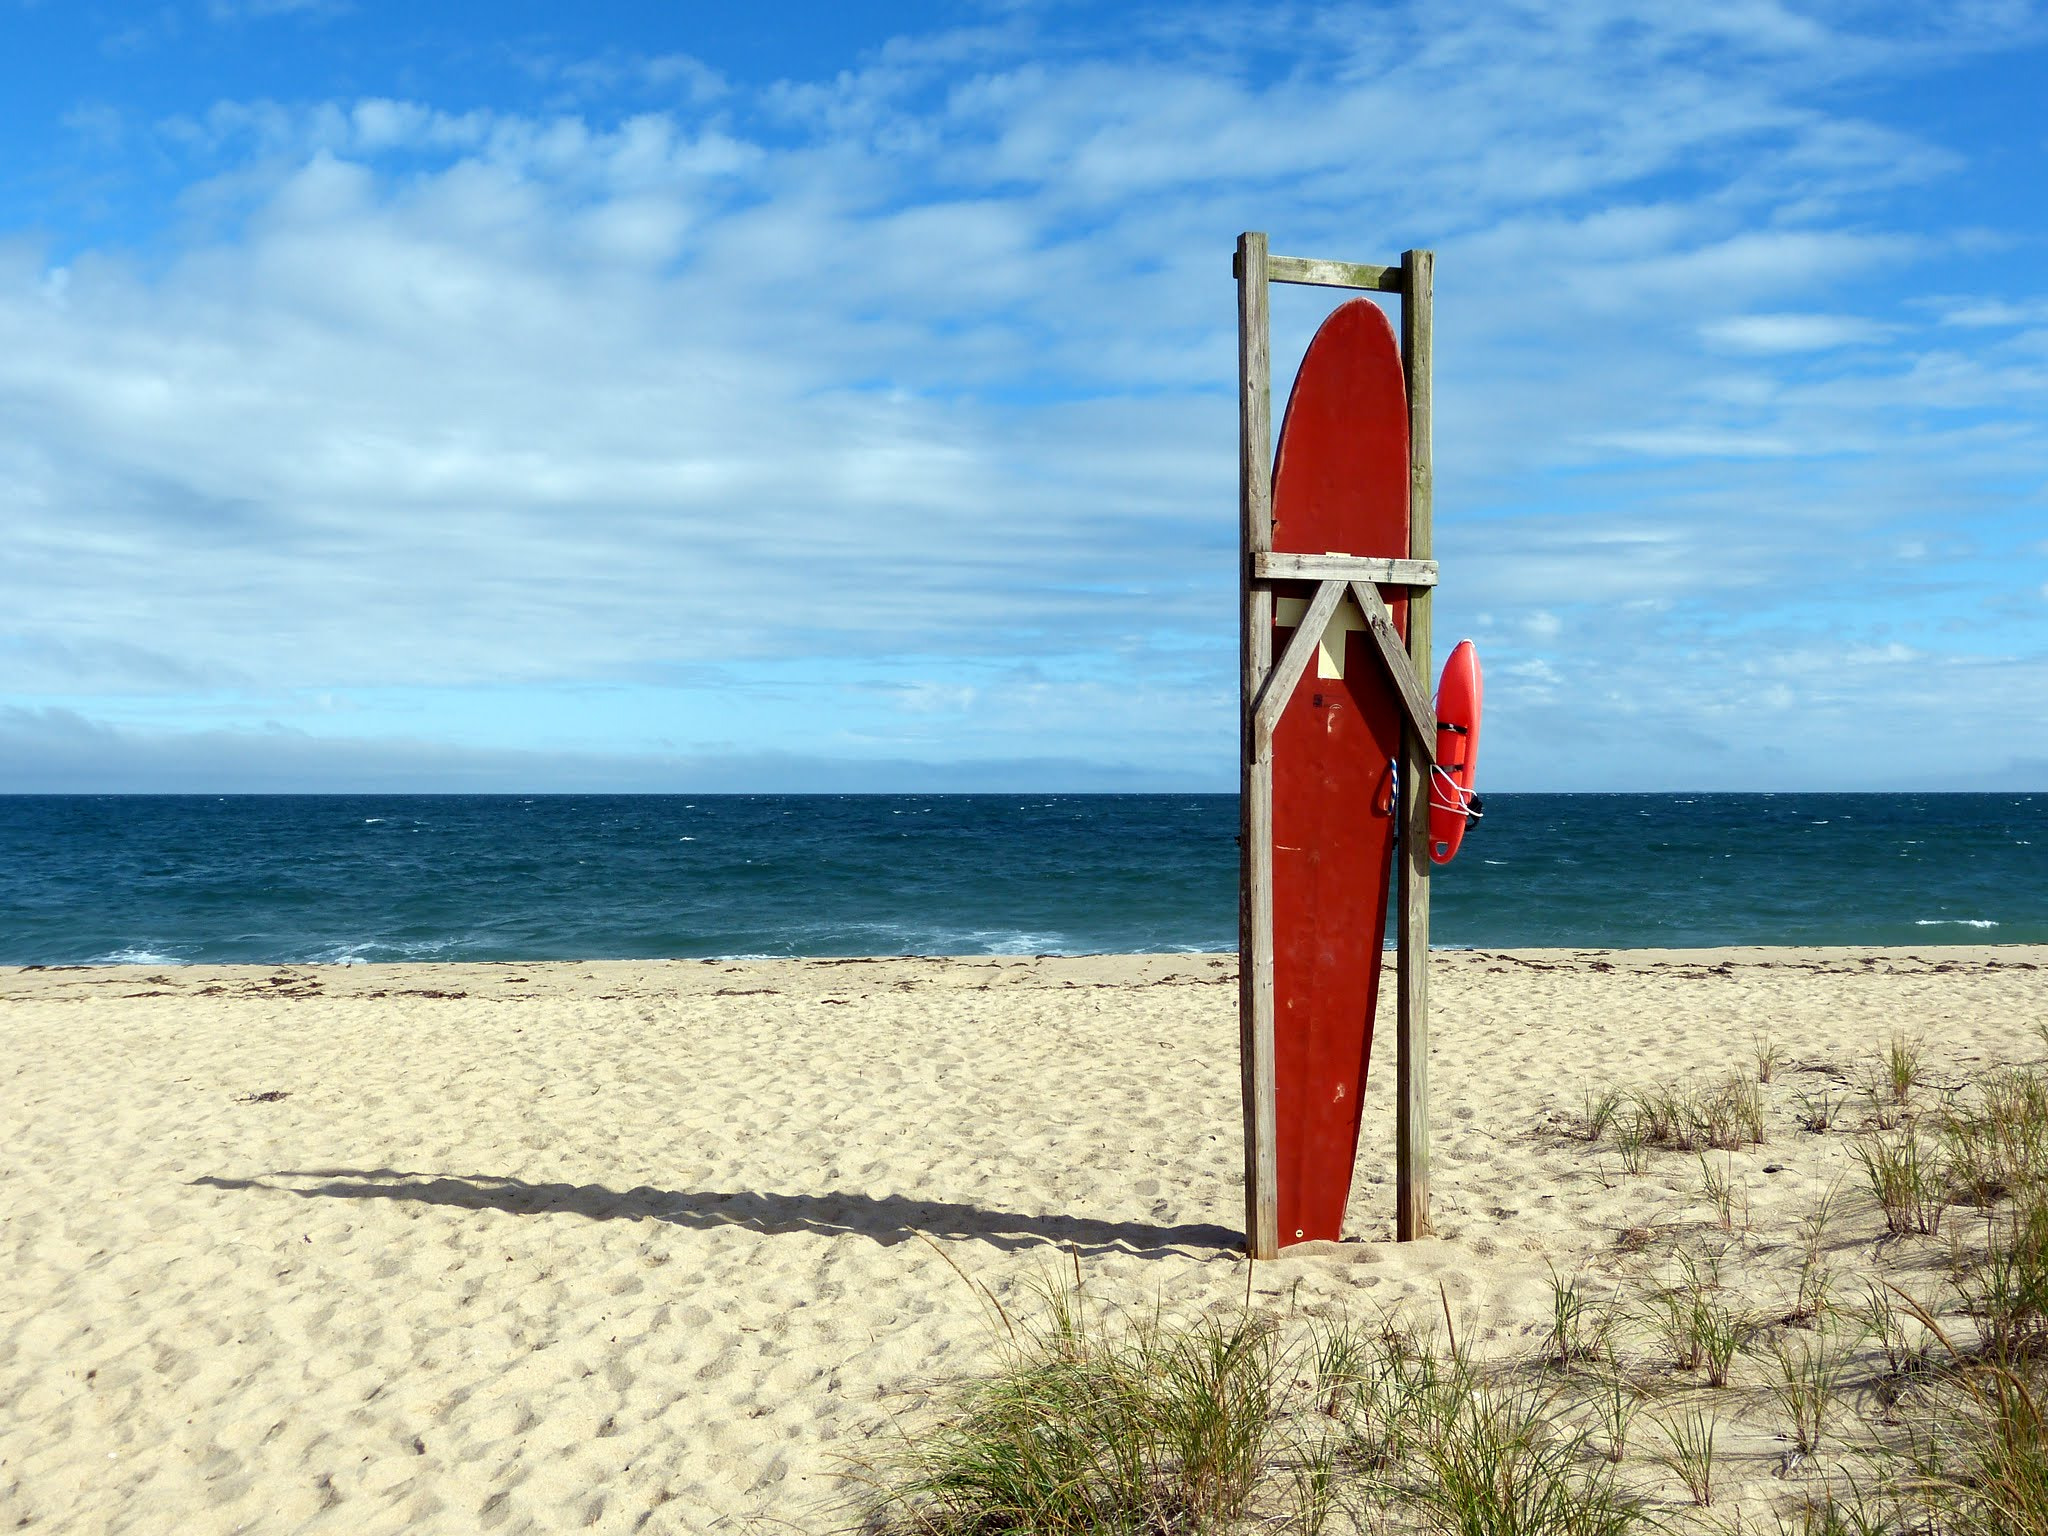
point(1280, 682)
point(1393, 654)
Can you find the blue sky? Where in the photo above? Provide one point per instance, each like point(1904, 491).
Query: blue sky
point(521, 396)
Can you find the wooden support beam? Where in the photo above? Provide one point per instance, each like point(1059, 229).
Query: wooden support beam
point(1418, 712)
point(1411, 1067)
point(1263, 693)
point(1280, 685)
point(1255, 779)
point(1372, 568)
point(1334, 274)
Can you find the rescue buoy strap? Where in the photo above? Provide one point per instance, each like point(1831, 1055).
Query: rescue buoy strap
point(1455, 796)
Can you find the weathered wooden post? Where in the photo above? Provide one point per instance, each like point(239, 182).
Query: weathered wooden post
point(1255, 778)
point(1408, 671)
point(1411, 1028)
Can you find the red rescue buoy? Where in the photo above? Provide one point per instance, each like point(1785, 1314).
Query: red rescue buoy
point(1452, 805)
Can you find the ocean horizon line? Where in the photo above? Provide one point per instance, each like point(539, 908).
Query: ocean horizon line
point(344, 878)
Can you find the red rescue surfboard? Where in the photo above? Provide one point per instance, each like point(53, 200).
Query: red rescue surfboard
point(1457, 752)
point(1340, 486)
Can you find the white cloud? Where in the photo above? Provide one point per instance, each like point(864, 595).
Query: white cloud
point(257, 10)
point(935, 698)
point(678, 76)
point(1989, 313)
point(1892, 654)
point(1792, 333)
point(1698, 443)
point(1533, 673)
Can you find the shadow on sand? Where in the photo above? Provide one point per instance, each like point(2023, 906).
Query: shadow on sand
point(886, 1219)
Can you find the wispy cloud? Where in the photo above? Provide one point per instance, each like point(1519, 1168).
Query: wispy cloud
point(258, 10)
point(1770, 334)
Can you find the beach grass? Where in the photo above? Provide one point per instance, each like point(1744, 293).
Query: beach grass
point(1894, 1415)
point(1768, 1056)
point(1597, 1112)
point(1804, 1378)
point(1902, 1065)
point(1820, 1112)
point(1144, 1425)
point(1689, 1436)
point(1093, 1424)
point(1578, 1328)
point(1908, 1178)
point(1815, 1286)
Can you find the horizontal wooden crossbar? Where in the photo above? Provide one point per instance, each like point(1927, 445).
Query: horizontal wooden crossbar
point(1267, 566)
point(1333, 274)
point(1328, 274)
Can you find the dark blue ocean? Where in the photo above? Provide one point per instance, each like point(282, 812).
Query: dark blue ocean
point(272, 879)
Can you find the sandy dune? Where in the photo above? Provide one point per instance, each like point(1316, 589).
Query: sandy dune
point(636, 1246)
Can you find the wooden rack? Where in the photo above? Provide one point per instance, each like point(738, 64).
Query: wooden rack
point(1266, 687)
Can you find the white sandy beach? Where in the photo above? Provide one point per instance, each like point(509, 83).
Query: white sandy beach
point(636, 1246)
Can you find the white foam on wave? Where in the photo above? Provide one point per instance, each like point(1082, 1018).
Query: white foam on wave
point(371, 821)
point(988, 941)
point(890, 939)
point(1954, 922)
point(370, 951)
point(135, 957)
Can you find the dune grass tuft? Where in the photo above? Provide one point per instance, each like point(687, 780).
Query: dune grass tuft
point(1689, 1451)
point(1988, 1475)
point(1820, 1112)
point(1577, 1329)
point(1803, 1376)
point(1902, 1068)
point(1907, 1177)
point(1597, 1112)
point(1999, 1145)
point(2006, 1291)
point(1816, 1281)
point(1505, 1462)
point(1692, 1317)
point(1978, 1442)
point(1632, 1140)
point(1093, 1428)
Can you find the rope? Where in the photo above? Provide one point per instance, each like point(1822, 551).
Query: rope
point(1446, 792)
